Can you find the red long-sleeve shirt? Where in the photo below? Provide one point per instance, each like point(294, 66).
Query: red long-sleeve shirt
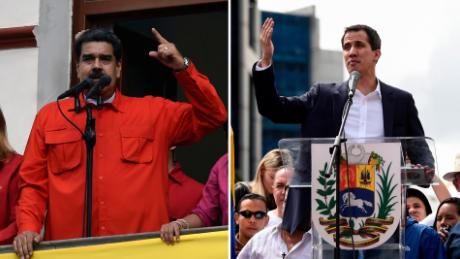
point(9, 193)
point(130, 171)
point(184, 193)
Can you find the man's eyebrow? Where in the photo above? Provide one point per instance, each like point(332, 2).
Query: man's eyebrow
point(101, 56)
point(106, 56)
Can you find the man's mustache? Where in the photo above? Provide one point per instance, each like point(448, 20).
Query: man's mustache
point(95, 74)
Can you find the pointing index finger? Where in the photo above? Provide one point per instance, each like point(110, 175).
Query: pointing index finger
point(157, 36)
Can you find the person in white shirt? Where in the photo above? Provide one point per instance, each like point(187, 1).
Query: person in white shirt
point(251, 217)
point(275, 243)
point(280, 183)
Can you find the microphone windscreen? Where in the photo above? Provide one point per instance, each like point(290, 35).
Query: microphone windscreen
point(353, 82)
point(104, 81)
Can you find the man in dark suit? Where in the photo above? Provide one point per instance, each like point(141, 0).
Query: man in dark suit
point(378, 110)
point(320, 109)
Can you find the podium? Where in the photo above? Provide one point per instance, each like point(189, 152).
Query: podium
point(374, 174)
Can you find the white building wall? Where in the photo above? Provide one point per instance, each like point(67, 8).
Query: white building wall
point(54, 44)
point(32, 77)
point(15, 13)
point(18, 73)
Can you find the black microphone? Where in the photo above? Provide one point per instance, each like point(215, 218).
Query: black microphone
point(85, 84)
point(96, 90)
point(353, 82)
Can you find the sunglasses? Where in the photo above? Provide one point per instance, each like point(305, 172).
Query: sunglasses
point(257, 214)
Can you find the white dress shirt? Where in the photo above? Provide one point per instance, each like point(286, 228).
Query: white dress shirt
point(365, 119)
point(268, 244)
point(273, 219)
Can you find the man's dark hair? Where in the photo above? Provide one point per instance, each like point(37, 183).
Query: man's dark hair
point(372, 35)
point(252, 196)
point(99, 35)
point(241, 189)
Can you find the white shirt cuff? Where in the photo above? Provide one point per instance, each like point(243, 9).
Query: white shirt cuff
point(259, 68)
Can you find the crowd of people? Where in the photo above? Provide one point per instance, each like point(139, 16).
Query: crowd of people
point(260, 232)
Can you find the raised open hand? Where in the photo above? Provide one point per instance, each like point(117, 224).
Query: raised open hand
point(266, 42)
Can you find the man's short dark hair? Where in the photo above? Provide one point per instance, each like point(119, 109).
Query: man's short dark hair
point(99, 35)
point(372, 35)
point(252, 196)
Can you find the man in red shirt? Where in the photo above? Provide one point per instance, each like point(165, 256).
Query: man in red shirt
point(130, 161)
point(184, 191)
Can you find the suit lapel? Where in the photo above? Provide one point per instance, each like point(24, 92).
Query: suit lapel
point(340, 97)
point(388, 108)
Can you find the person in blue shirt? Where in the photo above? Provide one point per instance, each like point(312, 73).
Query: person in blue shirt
point(453, 243)
point(423, 241)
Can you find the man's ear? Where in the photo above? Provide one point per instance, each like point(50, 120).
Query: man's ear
point(118, 69)
point(236, 216)
point(377, 54)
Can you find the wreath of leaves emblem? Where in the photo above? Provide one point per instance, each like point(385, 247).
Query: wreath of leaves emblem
point(370, 228)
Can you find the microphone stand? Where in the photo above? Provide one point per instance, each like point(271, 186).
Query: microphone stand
point(335, 151)
point(77, 105)
point(90, 141)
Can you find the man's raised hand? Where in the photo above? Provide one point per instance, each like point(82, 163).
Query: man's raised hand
point(167, 53)
point(266, 42)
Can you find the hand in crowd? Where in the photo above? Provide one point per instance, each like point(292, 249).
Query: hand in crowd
point(429, 174)
point(170, 233)
point(266, 42)
point(167, 53)
point(23, 243)
point(443, 233)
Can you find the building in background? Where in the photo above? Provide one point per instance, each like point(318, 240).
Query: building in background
point(298, 63)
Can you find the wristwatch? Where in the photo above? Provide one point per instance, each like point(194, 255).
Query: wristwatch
point(185, 66)
point(186, 63)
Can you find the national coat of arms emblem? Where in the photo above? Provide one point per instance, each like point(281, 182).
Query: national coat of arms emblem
point(369, 200)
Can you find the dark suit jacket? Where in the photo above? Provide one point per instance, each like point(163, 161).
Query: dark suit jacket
point(319, 111)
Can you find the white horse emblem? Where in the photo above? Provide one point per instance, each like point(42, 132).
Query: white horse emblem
point(349, 200)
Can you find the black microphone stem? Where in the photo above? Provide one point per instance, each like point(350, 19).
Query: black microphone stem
point(77, 105)
point(90, 141)
point(100, 102)
point(335, 151)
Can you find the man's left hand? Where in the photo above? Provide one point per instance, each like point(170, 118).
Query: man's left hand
point(167, 53)
point(170, 233)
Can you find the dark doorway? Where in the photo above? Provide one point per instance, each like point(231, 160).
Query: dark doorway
point(200, 32)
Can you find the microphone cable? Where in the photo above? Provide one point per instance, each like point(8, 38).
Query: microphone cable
point(67, 119)
point(349, 199)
